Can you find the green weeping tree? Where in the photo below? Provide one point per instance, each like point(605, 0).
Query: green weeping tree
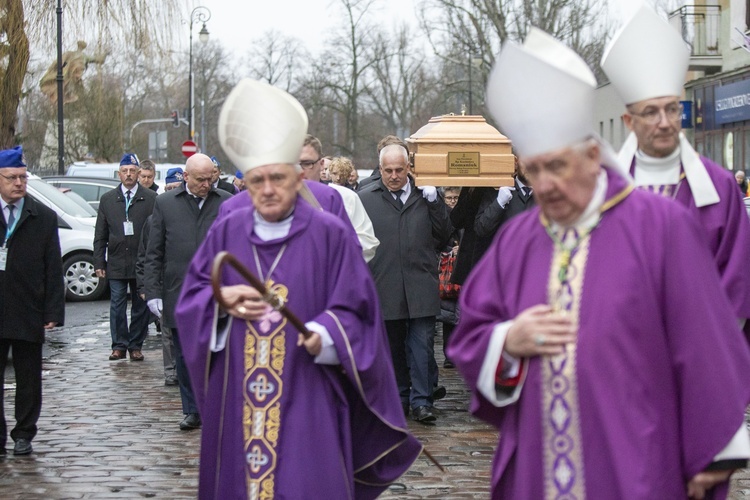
point(131, 26)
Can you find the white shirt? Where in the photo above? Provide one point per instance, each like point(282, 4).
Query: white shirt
point(360, 220)
point(16, 212)
point(132, 191)
point(405, 195)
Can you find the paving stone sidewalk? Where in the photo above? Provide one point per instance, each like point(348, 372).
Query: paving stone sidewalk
point(109, 429)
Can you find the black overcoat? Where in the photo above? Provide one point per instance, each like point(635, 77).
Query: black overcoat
point(32, 290)
point(114, 251)
point(405, 266)
point(177, 230)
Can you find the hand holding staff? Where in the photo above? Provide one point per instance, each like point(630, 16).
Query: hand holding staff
point(240, 299)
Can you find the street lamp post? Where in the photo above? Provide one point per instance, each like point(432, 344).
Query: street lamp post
point(474, 60)
point(199, 14)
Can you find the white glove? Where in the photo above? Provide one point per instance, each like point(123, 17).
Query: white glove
point(156, 306)
point(504, 195)
point(429, 193)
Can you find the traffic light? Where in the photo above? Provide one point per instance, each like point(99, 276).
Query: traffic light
point(175, 118)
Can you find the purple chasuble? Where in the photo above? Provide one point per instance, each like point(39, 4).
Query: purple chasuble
point(328, 198)
point(276, 424)
point(656, 384)
point(727, 232)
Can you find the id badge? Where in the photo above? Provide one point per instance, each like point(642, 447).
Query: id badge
point(128, 227)
point(3, 258)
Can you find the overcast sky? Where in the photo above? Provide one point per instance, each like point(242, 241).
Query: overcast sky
point(236, 23)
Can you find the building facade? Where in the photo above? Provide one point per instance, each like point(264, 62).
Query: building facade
point(717, 89)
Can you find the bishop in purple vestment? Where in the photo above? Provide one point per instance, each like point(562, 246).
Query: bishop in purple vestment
point(283, 416)
point(595, 333)
point(646, 63)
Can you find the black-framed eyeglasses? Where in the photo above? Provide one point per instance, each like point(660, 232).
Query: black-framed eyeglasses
point(308, 164)
point(652, 115)
point(14, 178)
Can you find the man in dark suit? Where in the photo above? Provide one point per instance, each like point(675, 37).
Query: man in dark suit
point(412, 226)
point(375, 175)
point(510, 201)
point(182, 217)
point(32, 294)
point(216, 180)
point(122, 213)
point(147, 175)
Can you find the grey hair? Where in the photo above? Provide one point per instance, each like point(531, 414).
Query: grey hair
point(393, 148)
point(148, 165)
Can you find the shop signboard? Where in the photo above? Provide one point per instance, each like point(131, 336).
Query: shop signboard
point(732, 102)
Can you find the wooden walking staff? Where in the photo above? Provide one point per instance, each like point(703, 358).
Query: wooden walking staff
point(271, 298)
point(275, 300)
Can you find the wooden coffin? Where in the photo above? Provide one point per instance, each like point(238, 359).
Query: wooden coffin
point(453, 150)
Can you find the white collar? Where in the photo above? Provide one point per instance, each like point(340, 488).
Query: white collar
point(651, 171)
point(407, 191)
point(703, 189)
point(190, 193)
point(18, 204)
point(125, 190)
point(267, 231)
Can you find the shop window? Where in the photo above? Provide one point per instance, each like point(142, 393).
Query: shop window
point(738, 153)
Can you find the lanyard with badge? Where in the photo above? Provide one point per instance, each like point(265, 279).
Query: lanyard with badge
point(4, 249)
point(128, 224)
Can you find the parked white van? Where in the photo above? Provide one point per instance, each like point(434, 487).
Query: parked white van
point(109, 170)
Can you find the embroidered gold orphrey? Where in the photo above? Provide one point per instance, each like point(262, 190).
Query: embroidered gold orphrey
point(261, 416)
point(562, 445)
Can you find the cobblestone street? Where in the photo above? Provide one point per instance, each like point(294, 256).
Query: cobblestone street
point(110, 429)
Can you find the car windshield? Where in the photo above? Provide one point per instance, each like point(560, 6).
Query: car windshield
point(58, 198)
point(78, 199)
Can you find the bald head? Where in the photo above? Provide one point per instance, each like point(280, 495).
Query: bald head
point(198, 160)
point(198, 174)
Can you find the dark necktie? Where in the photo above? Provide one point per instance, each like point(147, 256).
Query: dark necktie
point(11, 217)
point(526, 191)
point(128, 195)
point(197, 200)
point(398, 194)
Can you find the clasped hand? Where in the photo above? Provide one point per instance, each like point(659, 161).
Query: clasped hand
point(246, 302)
point(539, 331)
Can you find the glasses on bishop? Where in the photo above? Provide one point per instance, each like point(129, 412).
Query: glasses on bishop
point(308, 164)
point(652, 114)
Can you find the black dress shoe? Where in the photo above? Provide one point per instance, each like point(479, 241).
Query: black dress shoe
point(22, 447)
point(171, 381)
point(439, 392)
point(448, 364)
point(423, 414)
point(190, 422)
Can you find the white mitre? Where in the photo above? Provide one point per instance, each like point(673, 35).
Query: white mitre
point(647, 58)
point(541, 95)
point(261, 125)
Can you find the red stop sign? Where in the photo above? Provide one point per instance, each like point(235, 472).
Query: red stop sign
point(189, 148)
